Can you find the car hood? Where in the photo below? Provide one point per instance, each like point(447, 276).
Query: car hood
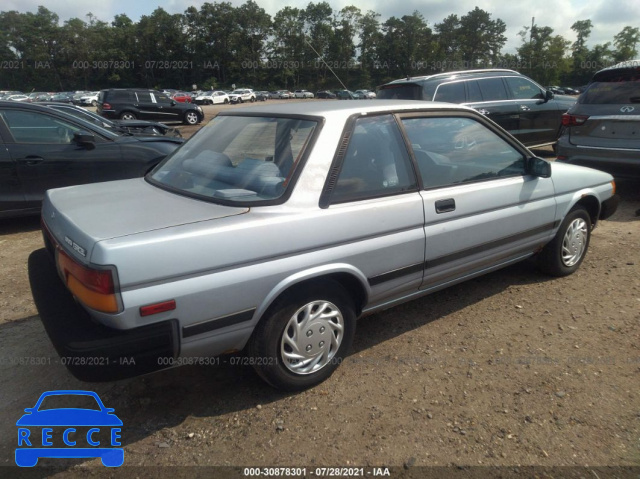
point(86, 214)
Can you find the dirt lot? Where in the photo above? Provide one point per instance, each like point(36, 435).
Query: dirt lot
point(511, 369)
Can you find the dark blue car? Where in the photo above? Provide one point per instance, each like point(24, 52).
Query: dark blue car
point(31, 447)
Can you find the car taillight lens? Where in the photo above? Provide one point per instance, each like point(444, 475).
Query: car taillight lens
point(93, 287)
point(573, 120)
point(106, 106)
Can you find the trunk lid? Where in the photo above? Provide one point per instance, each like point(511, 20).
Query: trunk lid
point(80, 216)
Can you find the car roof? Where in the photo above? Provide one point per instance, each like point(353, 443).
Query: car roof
point(340, 109)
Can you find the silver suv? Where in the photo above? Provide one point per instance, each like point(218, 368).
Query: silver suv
point(602, 130)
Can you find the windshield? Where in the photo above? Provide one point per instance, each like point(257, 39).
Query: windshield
point(238, 159)
point(616, 88)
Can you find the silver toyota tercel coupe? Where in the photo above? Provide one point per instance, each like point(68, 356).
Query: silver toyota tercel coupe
point(273, 228)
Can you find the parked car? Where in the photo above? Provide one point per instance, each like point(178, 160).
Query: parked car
point(42, 148)
point(17, 98)
point(141, 104)
point(62, 98)
point(240, 95)
point(132, 127)
point(262, 95)
point(90, 99)
point(212, 98)
point(380, 201)
point(602, 129)
point(77, 96)
point(345, 95)
point(325, 94)
point(557, 90)
point(570, 91)
point(302, 94)
point(284, 94)
point(515, 102)
point(366, 94)
point(181, 97)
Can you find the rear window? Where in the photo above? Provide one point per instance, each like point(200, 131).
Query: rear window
point(238, 159)
point(402, 91)
point(616, 87)
point(451, 93)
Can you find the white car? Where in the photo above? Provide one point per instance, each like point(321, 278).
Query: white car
point(212, 98)
point(90, 99)
point(366, 94)
point(241, 95)
point(302, 94)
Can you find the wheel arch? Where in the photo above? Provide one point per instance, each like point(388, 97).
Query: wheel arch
point(349, 277)
point(590, 203)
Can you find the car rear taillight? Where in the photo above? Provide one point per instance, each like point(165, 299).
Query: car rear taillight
point(106, 106)
point(573, 120)
point(93, 287)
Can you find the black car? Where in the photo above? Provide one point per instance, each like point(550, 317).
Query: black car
point(325, 94)
point(140, 104)
point(345, 95)
point(41, 148)
point(515, 102)
point(134, 127)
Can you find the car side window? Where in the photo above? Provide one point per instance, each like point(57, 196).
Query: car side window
point(144, 96)
point(451, 92)
point(523, 89)
point(36, 127)
point(492, 89)
point(473, 91)
point(455, 150)
point(376, 162)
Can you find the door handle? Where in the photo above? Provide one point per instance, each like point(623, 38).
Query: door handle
point(31, 160)
point(484, 111)
point(524, 108)
point(444, 206)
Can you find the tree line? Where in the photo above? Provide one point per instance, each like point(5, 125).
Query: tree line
point(317, 47)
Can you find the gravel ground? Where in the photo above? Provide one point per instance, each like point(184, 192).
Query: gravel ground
point(511, 369)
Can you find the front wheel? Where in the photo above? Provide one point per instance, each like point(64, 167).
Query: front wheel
point(226, 101)
point(565, 253)
point(305, 337)
point(191, 118)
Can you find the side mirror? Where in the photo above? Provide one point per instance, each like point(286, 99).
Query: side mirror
point(548, 95)
point(173, 103)
point(85, 139)
point(539, 167)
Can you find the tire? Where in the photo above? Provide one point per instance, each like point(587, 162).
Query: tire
point(226, 101)
point(127, 115)
point(191, 118)
point(94, 103)
point(566, 251)
point(275, 336)
point(252, 99)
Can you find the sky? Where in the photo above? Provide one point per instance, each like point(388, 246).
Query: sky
point(607, 17)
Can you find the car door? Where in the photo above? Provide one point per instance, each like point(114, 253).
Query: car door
point(11, 194)
point(375, 205)
point(495, 103)
point(166, 109)
point(540, 119)
point(482, 209)
point(46, 155)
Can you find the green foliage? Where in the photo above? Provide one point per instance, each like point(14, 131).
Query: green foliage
point(219, 44)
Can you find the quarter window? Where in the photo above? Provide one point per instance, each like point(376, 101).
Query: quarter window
point(451, 93)
point(376, 162)
point(454, 150)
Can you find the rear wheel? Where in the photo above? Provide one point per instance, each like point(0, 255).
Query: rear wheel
point(565, 253)
point(305, 337)
point(127, 115)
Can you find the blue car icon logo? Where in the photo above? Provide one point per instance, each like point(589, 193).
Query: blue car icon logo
point(89, 431)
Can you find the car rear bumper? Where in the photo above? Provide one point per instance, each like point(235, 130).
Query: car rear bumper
point(94, 352)
point(621, 163)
